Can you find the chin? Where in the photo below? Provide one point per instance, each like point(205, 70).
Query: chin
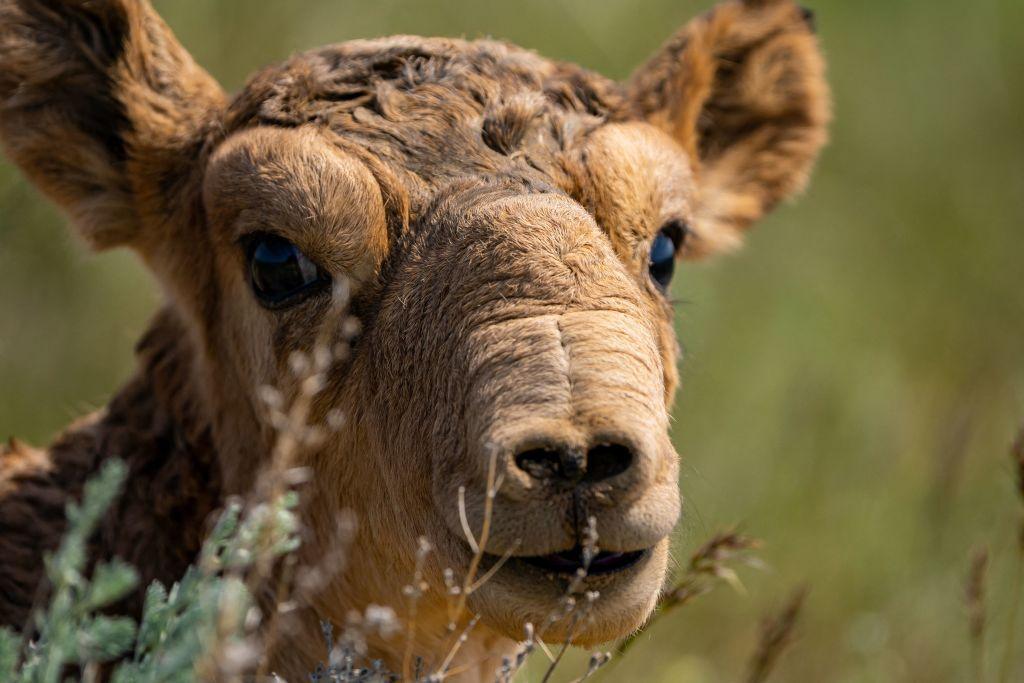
point(533, 590)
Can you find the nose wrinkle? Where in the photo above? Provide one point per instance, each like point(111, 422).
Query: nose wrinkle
point(568, 365)
point(566, 356)
point(608, 357)
point(521, 366)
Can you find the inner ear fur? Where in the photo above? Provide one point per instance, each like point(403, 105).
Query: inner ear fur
point(742, 89)
point(102, 108)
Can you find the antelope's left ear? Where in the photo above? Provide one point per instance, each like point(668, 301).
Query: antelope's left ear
point(743, 90)
point(102, 108)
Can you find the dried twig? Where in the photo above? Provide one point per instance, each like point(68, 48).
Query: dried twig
point(478, 545)
point(443, 669)
point(414, 591)
point(511, 666)
point(505, 557)
point(493, 484)
point(1017, 457)
point(974, 597)
point(581, 612)
point(597, 660)
point(708, 565)
point(294, 435)
point(776, 635)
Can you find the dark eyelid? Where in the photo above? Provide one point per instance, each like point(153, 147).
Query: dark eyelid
point(677, 230)
point(316, 284)
point(249, 240)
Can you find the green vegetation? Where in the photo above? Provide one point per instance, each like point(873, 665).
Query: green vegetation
point(852, 378)
point(199, 625)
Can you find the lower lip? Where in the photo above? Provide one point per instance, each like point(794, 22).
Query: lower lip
point(570, 562)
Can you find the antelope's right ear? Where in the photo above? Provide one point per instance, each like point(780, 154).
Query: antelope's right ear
point(101, 107)
point(742, 89)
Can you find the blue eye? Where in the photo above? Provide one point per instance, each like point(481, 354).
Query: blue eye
point(280, 273)
point(663, 258)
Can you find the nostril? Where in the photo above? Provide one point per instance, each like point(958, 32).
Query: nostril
point(570, 466)
point(540, 463)
point(606, 460)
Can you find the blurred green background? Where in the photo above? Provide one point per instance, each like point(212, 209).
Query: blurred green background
point(852, 379)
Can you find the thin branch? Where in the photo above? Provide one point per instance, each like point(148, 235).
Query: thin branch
point(497, 565)
point(442, 670)
point(974, 596)
point(708, 565)
point(582, 611)
point(1017, 456)
point(776, 635)
point(464, 519)
point(414, 591)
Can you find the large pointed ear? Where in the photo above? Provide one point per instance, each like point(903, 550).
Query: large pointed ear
point(742, 89)
point(100, 106)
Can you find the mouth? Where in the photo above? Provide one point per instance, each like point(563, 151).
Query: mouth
point(533, 588)
point(572, 561)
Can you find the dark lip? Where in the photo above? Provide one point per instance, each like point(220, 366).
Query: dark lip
point(571, 561)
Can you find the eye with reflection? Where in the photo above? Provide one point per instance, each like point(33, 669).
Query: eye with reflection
point(662, 260)
point(280, 274)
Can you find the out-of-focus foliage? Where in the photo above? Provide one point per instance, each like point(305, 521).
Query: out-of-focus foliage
point(851, 378)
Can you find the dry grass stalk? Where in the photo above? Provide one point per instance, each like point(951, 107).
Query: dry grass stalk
point(294, 434)
point(708, 565)
point(469, 581)
point(506, 556)
point(570, 607)
point(776, 635)
point(493, 484)
point(511, 666)
point(580, 610)
point(597, 660)
point(413, 592)
point(443, 669)
point(1017, 458)
point(546, 649)
point(974, 598)
point(1017, 454)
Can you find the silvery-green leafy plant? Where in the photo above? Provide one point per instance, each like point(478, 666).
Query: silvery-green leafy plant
point(204, 612)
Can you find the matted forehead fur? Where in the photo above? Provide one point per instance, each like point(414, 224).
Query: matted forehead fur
point(439, 108)
point(434, 111)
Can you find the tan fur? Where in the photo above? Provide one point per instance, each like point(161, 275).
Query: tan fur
point(493, 212)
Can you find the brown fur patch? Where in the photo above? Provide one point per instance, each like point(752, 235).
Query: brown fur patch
point(158, 524)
